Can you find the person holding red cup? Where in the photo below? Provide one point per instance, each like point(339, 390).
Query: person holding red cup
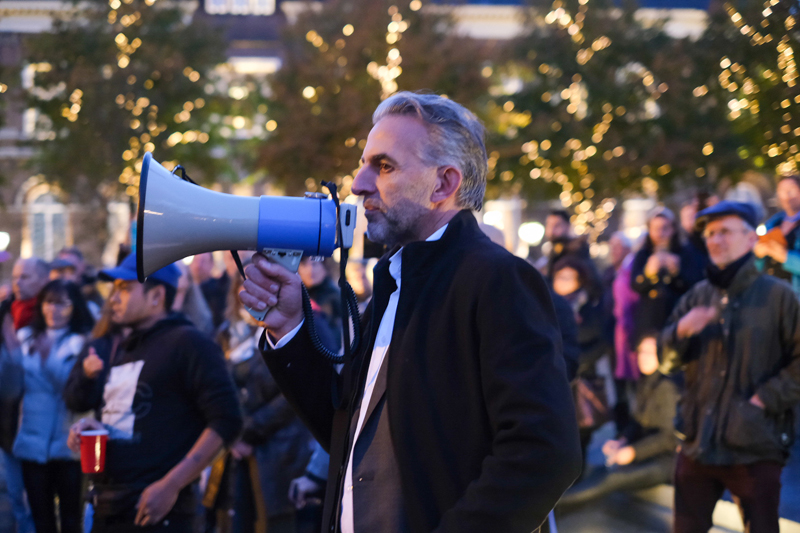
point(161, 390)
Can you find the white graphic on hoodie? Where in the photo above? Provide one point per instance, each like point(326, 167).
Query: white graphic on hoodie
point(120, 390)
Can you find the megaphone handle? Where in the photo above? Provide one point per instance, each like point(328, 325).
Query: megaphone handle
point(289, 259)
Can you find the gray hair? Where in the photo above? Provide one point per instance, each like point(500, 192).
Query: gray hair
point(38, 265)
point(624, 239)
point(456, 138)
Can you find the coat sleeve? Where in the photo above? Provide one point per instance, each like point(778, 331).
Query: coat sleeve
point(12, 375)
point(209, 384)
point(675, 352)
point(306, 380)
point(782, 392)
point(535, 452)
point(82, 394)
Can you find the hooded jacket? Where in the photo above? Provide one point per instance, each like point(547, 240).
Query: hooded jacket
point(159, 389)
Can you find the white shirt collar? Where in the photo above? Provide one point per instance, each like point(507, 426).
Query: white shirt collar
point(396, 261)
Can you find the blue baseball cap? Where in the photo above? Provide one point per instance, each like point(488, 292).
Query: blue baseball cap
point(127, 271)
point(743, 210)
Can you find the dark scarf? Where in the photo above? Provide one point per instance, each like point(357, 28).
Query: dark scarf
point(723, 277)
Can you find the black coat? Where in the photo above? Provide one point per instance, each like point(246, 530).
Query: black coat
point(480, 411)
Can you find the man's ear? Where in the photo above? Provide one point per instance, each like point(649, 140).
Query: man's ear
point(155, 296)
point(448, 180)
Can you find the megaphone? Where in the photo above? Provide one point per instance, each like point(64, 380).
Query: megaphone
point(178, 218)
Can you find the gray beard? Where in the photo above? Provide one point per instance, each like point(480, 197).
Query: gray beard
point(399, 225)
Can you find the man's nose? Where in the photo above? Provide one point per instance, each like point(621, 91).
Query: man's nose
point(364, 182)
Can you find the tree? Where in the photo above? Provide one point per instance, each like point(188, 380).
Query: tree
point(754, 78)
point(596, 104)
point(121, 78)
point(339, 62)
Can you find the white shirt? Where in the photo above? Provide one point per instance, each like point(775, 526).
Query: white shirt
point(379, 351)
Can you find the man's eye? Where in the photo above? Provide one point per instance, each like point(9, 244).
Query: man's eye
point(385, 167)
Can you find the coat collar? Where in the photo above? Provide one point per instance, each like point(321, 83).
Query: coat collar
point(419, 256)
point(745, 277)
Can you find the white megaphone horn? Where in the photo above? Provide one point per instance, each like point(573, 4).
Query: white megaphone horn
point(177, 218)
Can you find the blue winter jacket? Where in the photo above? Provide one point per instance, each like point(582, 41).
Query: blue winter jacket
point(45, 419)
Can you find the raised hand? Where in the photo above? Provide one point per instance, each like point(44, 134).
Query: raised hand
point(92, 364)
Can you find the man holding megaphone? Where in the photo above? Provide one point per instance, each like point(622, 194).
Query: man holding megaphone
point(454, 414)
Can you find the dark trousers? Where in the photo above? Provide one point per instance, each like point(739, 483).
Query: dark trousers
point(605, 480)
point(757, 487)
point(43, 482)
point(173, 524)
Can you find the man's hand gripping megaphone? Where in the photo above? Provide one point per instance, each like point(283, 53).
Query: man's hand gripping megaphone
point(270, 285)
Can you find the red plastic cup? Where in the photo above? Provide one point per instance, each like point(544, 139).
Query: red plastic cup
point(93, 450)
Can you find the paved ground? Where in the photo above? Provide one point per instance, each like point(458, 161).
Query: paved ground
point(620, 513)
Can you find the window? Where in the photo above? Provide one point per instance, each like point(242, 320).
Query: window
point(240, 7)
point(47, 226)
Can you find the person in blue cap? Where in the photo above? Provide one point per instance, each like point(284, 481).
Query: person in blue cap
point(164, 394)
point(736, 336)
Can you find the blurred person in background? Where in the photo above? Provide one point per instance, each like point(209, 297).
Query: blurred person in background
point(322, 289)
point(560, 241)
point(662, 270)
point(779, 248)
point(162, 388)
point(619, 302)
point(357, 277)
point(18, 517)
point(619, 248)
point(572, 281)
point(306, 492)
point(644, 453)
point(215, 290)
point(736, 337)
point(190, 301)
point(69, 264)
point(249, 486)
point(27, 279)
point(690, 233)
point(50, 347)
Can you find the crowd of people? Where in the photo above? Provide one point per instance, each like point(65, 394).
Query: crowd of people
point(172, 369)
point(687, 342)
point(704, 345)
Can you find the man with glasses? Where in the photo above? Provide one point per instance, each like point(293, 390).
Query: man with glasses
point(736, 335)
